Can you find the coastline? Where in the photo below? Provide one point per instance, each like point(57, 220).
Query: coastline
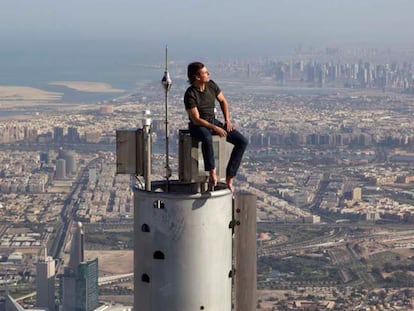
point(18, 96)
point(20, 102)
point(88, 86)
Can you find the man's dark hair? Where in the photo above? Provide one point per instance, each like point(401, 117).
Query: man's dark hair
point(192, 70)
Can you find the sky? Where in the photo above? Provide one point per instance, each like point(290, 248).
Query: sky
point(202, 29)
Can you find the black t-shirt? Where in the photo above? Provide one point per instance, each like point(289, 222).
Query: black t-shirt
point(203, 100)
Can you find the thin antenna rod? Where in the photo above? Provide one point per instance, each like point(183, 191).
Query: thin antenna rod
point(166, 82)
point(166, 58)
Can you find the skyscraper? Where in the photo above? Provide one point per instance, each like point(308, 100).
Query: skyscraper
point(57, 134)
point(182, 249)
point(183, 243)
point(60, 169)
point(70, 161)
point(79, 287)
point(183, 229)
point(45, 282)
point(73, 134)
point(77, 247)
point(70, 158)
point(87, 290)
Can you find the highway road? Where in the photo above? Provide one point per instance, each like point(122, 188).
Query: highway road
point(68, 213)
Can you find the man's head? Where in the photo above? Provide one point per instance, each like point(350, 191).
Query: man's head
point(196, 71)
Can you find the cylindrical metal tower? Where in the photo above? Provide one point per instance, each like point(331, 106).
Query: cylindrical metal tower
point(183, 248)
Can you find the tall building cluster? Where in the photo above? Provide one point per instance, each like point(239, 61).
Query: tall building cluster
point(34, 173)
point(79, 282)
point(327, 139)
point(79, 287)
point(65, 164)
point(362, 74)
point(12, 133)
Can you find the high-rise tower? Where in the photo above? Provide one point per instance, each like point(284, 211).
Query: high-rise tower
point(184, 234)
point(188, 240)
point(183, 248)
point(45, 282)
point(70, 161)
point(79, 287)
point(87, 290)
point(77, 247)
point(60, 169)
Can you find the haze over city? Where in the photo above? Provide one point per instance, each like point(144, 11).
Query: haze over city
point(199, 29)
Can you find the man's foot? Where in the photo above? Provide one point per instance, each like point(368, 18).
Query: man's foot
point(212, 179)
point(229, 182)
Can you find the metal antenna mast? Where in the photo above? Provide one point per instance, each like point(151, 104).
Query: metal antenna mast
point(166, 83)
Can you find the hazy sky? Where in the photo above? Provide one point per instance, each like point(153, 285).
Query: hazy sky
point(201, 28)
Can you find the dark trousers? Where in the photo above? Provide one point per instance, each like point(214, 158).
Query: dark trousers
point(234, 137)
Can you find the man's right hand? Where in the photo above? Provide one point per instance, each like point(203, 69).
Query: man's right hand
point(221, 132)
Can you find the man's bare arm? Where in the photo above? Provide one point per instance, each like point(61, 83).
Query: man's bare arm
point(195, 118)
point(225, 109)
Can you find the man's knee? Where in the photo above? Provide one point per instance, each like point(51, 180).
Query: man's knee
point(244, 142)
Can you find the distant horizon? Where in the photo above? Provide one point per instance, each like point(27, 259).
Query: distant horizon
point(112, 42)
point(126, 64)
point(210, 31)
point(125, 51)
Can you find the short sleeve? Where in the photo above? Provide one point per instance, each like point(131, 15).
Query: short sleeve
point(215, 87)
point(190, 100)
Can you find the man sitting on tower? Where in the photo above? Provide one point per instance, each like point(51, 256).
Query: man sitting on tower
point(199, 100)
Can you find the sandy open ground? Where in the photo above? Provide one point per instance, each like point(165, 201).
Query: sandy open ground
point(24, 96)
point(16, 96)
point(86, 86)
point(112, 262)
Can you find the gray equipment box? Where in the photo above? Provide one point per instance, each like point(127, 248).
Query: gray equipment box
point(130, 151)
point(191, 162)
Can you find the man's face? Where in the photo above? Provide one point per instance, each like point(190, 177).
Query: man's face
point(203, 75)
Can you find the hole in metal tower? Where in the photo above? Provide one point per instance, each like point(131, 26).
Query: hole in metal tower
point(145, 278)
point(159, 255)
point(145, 228)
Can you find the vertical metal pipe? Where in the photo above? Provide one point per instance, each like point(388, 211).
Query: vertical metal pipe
point(147, 162)
point(245, 252)
point(166, 83)
point(167, 163)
